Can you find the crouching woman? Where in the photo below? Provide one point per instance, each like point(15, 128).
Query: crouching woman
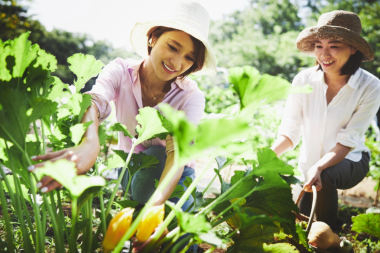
point(332, 119)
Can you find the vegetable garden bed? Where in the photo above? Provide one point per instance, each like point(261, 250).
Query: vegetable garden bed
point(251, 212)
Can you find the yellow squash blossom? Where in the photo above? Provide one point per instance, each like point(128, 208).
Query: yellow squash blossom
point(151, 219)
point(119, 224)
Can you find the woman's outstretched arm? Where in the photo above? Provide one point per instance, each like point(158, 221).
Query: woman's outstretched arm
point(84, 155)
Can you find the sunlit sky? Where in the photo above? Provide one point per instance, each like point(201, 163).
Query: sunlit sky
point(110, 20)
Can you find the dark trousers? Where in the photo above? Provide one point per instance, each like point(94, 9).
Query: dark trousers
point(344, 175)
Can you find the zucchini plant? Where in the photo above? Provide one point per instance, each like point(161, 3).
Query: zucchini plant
point(39, 113)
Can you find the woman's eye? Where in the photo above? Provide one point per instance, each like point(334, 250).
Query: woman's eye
point(318, 46)
point(334, 46)
point(189, 58)
point(172, 48)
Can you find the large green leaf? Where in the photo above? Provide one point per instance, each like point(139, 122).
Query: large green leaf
point(20, 162)
point(255, 91)
point(368, 223)
point(102, 134)
point(78, 103)
point(275, 202)
point(57, 89)
point(24, 54)
point(65, 173)
point(114, 161)
point(197, 226)
point(6, 51)
point(213, 136)
point(77, 131)
point(151, 124)
point(16, 118)
point(46, 60)
point(24, 190)
point(243, 81)
point(84, 105)
point(84, 67)
point(121, 128)
point(13, 116)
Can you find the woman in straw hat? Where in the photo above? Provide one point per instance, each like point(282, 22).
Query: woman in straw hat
point(334, 118)
point(173, 44)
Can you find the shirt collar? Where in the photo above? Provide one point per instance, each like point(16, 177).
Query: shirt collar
point(134, 71)
point(353, 82)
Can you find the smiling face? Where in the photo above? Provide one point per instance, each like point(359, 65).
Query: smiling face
point(172, 54)
point(332, 55)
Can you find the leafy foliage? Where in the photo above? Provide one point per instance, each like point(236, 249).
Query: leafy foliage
point(139, 161)
point(368, 223)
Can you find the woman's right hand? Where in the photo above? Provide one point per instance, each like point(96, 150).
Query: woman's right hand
point(84, 155)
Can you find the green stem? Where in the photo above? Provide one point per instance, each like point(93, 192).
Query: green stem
point(120, 178)
point(43, 137)
point(18, 206)
point(208, 208)
point(232, 233)
point(87, 233)
point(187, 246)
point(56, 217)
point(102, 215)
point(36, 133)
point(58, 243)
point(43, 209)
point(73, 238)
point(182, 200)
point(129, 182)
point(4, 207)
point(172, 235)
point(62, 217)
point(209, 184)
point(233, 205)
point(223, 219)
point(210, 249)
point(40, 232)
point(27, 215)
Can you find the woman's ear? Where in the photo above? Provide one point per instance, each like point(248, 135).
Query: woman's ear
point(153, 41)
point(353, 50)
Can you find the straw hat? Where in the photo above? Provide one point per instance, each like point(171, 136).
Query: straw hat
point(342, 26)
point(188, 16)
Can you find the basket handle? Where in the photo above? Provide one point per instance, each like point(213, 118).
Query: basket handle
point(312, 206)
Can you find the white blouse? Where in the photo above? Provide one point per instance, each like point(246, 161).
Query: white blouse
point(344, 120)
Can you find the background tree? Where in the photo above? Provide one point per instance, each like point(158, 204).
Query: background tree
point(62, 44)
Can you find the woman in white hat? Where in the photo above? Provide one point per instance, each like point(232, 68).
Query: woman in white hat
point(332, 119)
point(173, 44)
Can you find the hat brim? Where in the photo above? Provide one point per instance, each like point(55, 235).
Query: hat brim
point(306, 39)
point(139, 41)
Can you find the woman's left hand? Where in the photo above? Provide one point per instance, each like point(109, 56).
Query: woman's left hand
point(314, 178)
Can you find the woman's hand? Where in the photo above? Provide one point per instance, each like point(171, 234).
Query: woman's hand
point(84, 155)
point(314, 178)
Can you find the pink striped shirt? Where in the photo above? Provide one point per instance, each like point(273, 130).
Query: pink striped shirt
point(120, 82)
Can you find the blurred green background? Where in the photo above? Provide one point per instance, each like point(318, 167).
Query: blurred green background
point(261, 35)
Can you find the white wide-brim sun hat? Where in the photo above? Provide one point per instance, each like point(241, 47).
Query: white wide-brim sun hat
point(189, 16)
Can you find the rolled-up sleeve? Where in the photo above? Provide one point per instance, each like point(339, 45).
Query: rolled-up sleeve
point(291, 123)
point(107, 87)
point(351, 135)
